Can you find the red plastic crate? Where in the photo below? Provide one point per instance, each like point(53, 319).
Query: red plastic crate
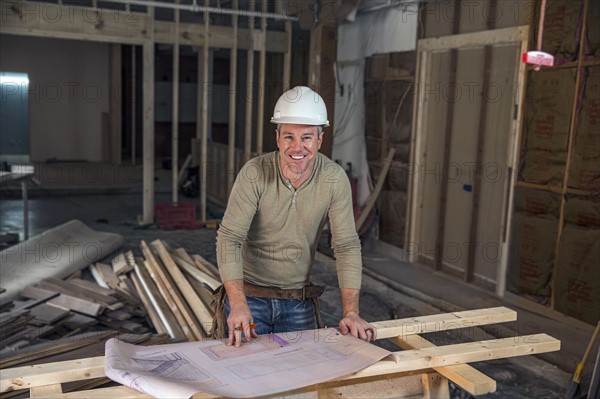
point(174, 216)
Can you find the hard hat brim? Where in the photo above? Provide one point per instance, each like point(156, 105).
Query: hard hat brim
point(296, 120)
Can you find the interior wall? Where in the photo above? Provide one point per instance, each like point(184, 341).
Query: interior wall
point(68, 92)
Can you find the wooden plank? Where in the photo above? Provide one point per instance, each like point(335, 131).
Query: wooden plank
point(152, 313)
point(107, 274)
point(160, 305)
point(175, 112)
point(262, 62)
point(442, 322)
point(98, 276)
point(248, 123)
point(88, 285)
point(206, 267)
point(51, 373)
point(202, 277)
point(233, 63)
point(463, 375)
point(421, 359)
point(476, 39)
point(171, 295)
point(435, 386)
point(43, 350)
point(47, 314)
point(206, 295)
point(570, 149)
point(47, 390)
point(77, 305)
point(204, 135)
point(66, 287)
point(196, 305)
point(120, 392)
point(373, 196)
point(148, 124)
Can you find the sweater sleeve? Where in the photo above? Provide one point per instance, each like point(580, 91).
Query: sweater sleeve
point(241, 208)
point(345, 241)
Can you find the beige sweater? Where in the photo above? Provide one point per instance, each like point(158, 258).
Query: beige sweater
point(270, 230)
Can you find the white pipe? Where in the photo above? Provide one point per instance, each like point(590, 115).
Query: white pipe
point(215, 10)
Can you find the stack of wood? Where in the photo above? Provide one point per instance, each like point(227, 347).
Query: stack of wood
point(176, 289)
point(165, 295)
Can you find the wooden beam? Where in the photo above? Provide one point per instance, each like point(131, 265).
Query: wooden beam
point(206, 267)
point(118, 26)
point(442, 322)
point(373, 196)
point(287, 55)
point(463, 375)
point(46, 390)
point(153, 314)
point(51, 373)
point(148, 128)
point(199, 275)
point(133, 105)
point(421, 359)
point(262, 62)
point(204, 137)
point(114, 103)
point(570, 149)
point(476, 39)
point(175, 114)
point(163, 310)
point(249, 89)
point(233, 92)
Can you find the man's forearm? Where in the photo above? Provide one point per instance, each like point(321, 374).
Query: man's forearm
point(235, 292)
point(349, 300)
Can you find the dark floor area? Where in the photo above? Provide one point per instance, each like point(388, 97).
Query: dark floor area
point(391, 288)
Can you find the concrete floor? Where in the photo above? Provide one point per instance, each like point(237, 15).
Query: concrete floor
point(388, 284)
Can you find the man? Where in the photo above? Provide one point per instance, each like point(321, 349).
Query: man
point(269, 233)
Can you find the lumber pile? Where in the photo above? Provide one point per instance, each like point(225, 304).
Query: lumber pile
point(163, 295)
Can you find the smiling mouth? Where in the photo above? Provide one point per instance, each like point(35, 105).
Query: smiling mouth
point(297, 157)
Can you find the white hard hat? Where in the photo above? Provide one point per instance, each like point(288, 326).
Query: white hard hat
point(300, 106)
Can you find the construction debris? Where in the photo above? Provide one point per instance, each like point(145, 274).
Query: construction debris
point(165, 295)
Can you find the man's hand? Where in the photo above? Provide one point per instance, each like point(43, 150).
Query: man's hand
point(357, 327)
point(351, 321)
point(239, 321)
point(240, 317)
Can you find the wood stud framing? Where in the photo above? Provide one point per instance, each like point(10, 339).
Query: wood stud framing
point(144, 30)
point(232, 102)
point(249, 89)
point(175, 114)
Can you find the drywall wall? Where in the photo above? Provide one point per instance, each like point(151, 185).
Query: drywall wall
point(68, 92)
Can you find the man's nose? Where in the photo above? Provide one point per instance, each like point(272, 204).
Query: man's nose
point(297, 144)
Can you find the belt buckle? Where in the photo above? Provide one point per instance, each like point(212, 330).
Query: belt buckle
point(304, 293)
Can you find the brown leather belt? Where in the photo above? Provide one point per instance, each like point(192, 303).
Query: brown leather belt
point(304, 293)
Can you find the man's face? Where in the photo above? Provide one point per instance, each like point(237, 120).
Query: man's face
point(298, 147)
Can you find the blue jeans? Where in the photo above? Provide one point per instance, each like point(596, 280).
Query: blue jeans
point(280, 315)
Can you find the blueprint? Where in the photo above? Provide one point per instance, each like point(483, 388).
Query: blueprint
point(267, 365)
